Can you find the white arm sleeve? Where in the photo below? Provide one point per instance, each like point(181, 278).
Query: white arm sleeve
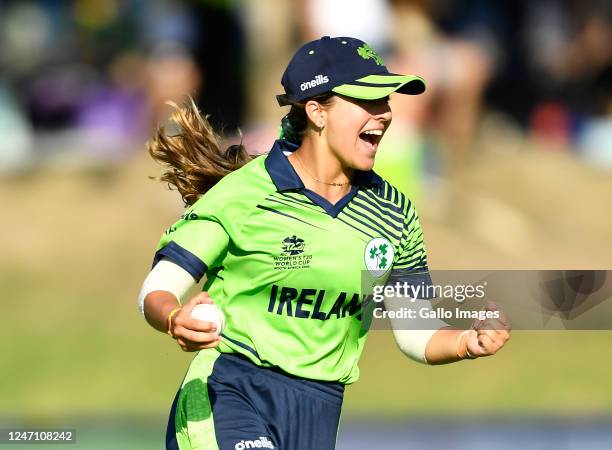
point(166, 276)
point(411, 340)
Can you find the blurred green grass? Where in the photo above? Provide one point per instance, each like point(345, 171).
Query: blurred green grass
point(75, 251)
point(78, 346)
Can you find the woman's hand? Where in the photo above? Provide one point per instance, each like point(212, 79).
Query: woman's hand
point(193, 334)
point(489, 335)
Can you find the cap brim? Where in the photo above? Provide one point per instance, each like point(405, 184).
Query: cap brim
point(374, 87)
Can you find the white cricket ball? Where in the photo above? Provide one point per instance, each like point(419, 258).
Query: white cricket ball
point(209, 313)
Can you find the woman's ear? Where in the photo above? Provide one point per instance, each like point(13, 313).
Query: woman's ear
point(316, 113)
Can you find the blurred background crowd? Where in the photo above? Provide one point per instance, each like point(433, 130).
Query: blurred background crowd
point(91, 77)
point(508, 157)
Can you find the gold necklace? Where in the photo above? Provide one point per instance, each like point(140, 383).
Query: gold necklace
point(316, 179)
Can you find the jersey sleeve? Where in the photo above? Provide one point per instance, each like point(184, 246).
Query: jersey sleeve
point(197, 240)
point(410, 265)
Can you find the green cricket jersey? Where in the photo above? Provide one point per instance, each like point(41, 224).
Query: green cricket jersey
point(285, 265)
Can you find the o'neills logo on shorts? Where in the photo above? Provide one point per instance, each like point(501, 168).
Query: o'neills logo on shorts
point(262, 442)
point(319, 79)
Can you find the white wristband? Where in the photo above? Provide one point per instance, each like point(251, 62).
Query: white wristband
point(412, 335)
point(166, 276)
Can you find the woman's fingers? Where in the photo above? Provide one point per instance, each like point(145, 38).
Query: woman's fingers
point(492, 325)
point(501, 322)
point(190, 340)
point(191, 323)
point(473, 346)
point(488, 339)
point(202, 297)
point(491, 334)
point(491, 340)
point(487, 344)
point(189, 346)
point(195, 336)
point(184, 319)
point(214, 339)
point(192, 334)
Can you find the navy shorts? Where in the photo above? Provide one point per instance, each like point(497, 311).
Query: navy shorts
point(233, 405)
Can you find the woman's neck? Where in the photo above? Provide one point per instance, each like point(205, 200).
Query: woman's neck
point(321, 171)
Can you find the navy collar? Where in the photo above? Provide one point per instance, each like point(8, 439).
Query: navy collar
point(285, 177)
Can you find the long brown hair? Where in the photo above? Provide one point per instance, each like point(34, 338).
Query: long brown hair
point(192, 154)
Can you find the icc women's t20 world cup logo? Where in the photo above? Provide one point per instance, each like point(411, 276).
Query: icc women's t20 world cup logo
point(292, 254)
point(293, 245)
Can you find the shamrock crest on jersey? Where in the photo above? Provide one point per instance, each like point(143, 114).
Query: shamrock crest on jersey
point(378, 256)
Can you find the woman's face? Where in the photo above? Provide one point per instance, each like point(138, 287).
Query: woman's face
point(354, 128)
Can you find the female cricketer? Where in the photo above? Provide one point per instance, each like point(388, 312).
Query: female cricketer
point(283, 240)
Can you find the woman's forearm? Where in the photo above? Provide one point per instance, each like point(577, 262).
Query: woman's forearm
point(446, 345)
point(157, 307)
point(442, 346)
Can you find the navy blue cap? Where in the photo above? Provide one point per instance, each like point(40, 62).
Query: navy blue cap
point(346, 66)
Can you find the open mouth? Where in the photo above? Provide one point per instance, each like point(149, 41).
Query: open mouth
point(371, 137)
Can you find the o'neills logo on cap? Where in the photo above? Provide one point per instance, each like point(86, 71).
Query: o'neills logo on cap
point(319, 79)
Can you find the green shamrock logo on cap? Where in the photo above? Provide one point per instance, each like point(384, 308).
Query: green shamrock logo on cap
point(367, 52)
